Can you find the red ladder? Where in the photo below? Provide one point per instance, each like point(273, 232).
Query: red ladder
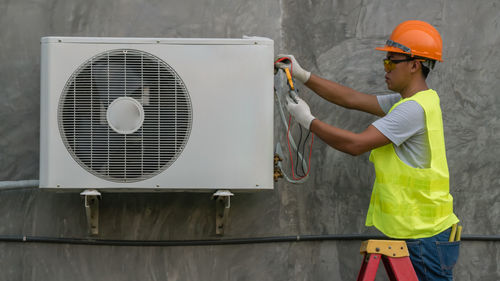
point(395, 256)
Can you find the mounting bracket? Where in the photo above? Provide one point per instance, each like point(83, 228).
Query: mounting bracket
point(92, 198)
point(222, 205)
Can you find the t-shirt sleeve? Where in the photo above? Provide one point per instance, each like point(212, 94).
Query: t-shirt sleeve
point(404, 121)
point(387, 101)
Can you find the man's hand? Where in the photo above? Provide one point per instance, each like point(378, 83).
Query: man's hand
point(300, 111)
point(297, 71)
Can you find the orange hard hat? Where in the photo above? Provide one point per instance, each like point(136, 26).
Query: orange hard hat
point(415, 38)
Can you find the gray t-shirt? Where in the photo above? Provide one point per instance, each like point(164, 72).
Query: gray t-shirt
point(405, 128)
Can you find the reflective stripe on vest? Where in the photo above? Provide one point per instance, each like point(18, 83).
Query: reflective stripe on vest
point(409, 202)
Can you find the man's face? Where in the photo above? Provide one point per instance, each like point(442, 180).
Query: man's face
point(398, 74)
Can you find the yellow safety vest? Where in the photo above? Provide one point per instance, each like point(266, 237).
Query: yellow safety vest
point(407, 202)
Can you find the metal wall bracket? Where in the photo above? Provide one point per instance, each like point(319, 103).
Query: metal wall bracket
point(92, 198)
point(222, 205)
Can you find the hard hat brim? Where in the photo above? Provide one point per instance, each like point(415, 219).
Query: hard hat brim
point(398, 50)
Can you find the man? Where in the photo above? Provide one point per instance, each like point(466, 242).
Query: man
point(410, 198)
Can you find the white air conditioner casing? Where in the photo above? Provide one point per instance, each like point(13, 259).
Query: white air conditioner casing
point(134, 114)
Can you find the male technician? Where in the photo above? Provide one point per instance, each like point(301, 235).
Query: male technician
point(410, 198)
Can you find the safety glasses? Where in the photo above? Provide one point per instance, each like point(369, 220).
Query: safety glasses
point(391, 64)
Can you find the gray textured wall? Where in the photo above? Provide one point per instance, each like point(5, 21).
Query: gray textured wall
point(334, 39)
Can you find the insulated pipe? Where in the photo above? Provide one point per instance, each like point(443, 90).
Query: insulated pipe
point(214, 242)
point(7, 185)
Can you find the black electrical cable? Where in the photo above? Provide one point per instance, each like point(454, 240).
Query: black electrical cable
point(297, 155)
point(214, 242)
point(301, 145)
point(304, 149)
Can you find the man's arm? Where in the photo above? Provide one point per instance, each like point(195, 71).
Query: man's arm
point(349, 142)
point(331, 91)
point(344, 96)
point(343, 140)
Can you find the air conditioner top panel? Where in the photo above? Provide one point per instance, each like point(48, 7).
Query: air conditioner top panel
point(246, 40)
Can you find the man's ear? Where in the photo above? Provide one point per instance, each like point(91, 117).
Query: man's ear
point(415, 66)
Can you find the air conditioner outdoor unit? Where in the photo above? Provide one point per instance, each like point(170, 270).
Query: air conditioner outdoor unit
point(156, 114)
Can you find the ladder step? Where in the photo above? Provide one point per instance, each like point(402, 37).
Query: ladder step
point(394, 255)
point(390, 248)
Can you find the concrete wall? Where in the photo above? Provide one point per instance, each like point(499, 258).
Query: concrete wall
point(334, 39)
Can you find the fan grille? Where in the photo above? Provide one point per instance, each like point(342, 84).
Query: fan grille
point(125, 157)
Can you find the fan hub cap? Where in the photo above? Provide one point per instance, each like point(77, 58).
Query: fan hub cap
point(125, 115)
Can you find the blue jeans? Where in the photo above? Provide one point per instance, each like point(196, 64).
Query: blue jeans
point(433, 258)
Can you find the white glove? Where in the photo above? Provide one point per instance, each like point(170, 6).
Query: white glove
point(300, 111)
point(297, 71)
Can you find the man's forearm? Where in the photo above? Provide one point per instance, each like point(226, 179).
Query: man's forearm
point(346, 141)
point(337, 138)
point(331, 91)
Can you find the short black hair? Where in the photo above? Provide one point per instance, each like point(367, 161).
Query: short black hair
point(425, 70)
